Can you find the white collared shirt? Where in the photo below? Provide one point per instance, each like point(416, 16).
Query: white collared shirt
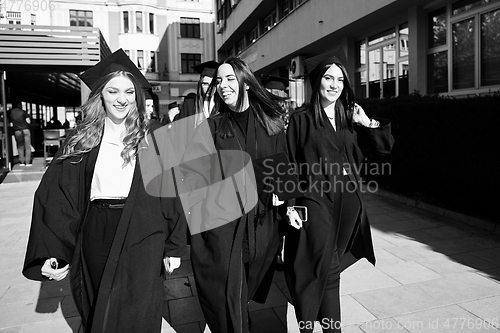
point(111, 180)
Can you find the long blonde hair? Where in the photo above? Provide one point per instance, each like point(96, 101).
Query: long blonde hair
point(88, 134)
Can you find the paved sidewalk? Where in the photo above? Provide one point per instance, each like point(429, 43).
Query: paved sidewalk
point(432, 275)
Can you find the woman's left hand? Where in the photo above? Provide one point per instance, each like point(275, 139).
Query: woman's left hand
point(359, 116)
point(171, 263)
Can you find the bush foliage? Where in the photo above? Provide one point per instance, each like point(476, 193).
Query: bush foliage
point(445, 151)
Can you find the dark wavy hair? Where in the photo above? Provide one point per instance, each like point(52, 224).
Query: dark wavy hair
point(88, 134)
point(265, 105)
point(343, 110)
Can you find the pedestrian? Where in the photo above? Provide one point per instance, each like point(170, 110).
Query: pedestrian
point(203, 104)
point(92, 217)
point(21, 126)
point(233, 263)
point(336, 233)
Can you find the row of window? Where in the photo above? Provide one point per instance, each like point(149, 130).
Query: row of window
point(464, 46)
point(264, 24)
point(463, 52)
point(144, 59)
point(139, 24)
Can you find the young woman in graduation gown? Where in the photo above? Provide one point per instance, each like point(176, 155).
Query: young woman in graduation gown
point(322, 143)
point(93, 218)
point(232, 263)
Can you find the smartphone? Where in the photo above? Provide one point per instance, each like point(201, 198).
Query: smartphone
point(302, 211)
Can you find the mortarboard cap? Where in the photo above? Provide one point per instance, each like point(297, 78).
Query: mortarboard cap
point(206, 68)
point(118, 61)
point(148, 94)
point(172, 105)
point(316, 65)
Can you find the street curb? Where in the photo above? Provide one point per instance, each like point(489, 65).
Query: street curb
point(473, 221)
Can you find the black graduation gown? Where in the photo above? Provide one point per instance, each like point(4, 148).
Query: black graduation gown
point(131, 292)
point(217, 254)
point(309, 250)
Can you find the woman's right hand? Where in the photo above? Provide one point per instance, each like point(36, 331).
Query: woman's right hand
point(293, 218)
point(50, 270)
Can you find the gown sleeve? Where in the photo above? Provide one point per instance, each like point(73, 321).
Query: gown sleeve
point(56, 216)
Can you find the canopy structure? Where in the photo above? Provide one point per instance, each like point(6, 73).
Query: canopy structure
point(39, 64)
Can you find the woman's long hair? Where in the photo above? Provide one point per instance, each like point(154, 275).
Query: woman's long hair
point(343, 110)
point(88, 134)
point(265, 105)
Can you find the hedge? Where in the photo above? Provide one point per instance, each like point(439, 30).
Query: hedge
point(445, 151)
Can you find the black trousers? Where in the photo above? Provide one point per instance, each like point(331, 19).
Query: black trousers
point(329, 311)
point(98, 234)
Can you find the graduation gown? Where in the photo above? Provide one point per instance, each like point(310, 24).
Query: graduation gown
point(309, 251)
point(131, 292)
point(216, 254)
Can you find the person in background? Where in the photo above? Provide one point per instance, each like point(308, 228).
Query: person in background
point(203, 104)
point(92, 217)
point(20, 124)
point(337, 232)
point(277, 86)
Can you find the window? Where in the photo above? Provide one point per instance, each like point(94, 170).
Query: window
point(270, 21)
point(127, 52)
point(254, 34)
point(437, 28)
point(125, 22)
point(471, 58)
point(465, 5)
point(152, 63)
point(190, 27)
point(151, 23)
point(140, 59)
point(240, 46)
point(286, 7)
point(138, 21)
point(382, 64)
point(188, 60)
point(81, 18)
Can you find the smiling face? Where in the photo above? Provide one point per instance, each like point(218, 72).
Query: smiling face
point(228, 88)
point(118, 98)
point(331, 86)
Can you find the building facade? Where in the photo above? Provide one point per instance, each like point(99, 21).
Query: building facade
point(165, 38)
point(394, 47)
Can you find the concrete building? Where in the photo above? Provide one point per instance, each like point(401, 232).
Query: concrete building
point(164, 38)
point(394, 47)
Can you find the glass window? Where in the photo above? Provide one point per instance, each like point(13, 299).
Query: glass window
point(151, 23)
point(140, 59)
point(138, 21)
point(463, 54)
point(465, 5)
point(286, 7)
point(403, 82)
point(437, 27)
point(152, 63)
point(437, 72)
point(403, 40)
point(80, 18)
point(125, 22)
point(240, 46)
point(374, 65)
point(190, 27)
point(389, 71)
point(388, 34)
point(360, 84)
point(490, 48)
point(270, 21)
point(254, 34)
point(188, 60)
point(361, 58)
